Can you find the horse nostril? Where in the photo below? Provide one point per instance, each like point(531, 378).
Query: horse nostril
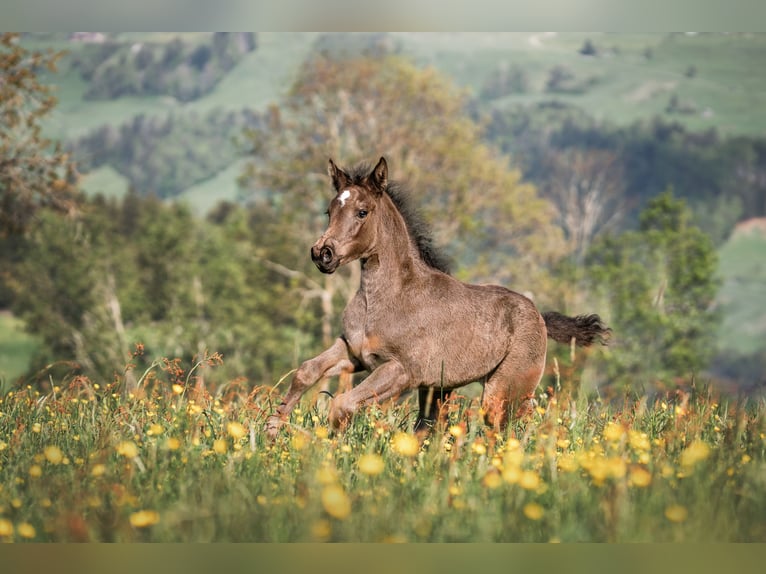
point(325, 255)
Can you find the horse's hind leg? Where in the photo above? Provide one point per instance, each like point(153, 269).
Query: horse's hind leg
point(511, 389)
point(430, 403)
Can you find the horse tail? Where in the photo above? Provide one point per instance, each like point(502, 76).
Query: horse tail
point(584, 329)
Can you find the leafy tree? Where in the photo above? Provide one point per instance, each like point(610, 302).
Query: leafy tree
point(659, 284)
point(34, 172)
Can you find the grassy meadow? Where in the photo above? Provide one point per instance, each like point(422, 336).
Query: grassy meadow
point(171, 462)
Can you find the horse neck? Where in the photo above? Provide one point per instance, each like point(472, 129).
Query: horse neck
point(395, 259)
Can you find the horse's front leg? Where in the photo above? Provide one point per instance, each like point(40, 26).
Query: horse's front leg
point(333, 361)
point(388, 381)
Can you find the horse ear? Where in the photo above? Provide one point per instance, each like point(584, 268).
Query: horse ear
point(339, 177)
point(379, 175)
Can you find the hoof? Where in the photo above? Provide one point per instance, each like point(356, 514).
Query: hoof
point(273, 424)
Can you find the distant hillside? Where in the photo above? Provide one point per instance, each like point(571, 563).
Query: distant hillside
point(743, 293)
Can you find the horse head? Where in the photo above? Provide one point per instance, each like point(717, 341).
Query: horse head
point(353, 215)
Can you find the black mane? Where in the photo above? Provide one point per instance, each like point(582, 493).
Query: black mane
point(417, 227)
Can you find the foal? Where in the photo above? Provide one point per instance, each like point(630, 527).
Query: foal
point(413, 326)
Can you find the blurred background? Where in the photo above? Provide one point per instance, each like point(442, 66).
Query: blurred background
point(163, 204)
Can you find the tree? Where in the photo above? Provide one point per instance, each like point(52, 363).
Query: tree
point(34, 172)
point(495, 225)
point(659, 283)
point(586, 185)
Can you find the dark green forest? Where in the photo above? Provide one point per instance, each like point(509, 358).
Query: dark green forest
point(585, 214)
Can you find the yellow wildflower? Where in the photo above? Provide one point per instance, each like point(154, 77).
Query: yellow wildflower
point(479, 448)
point(371, 464)
point(128, 449)
point(511, 474)
point(321, 530)
point(144, 518)
point(172, 443)
point(178, 389)
point(53, 454)
point(298, 441)
point(6, 527)
point(640, 477)
point(529, 480)
point(321, 432)
point(236, 430)
point(638, 440)
point(220, 446)
point(405, 444)
point(326, 475)
point(694, 453)
point(676, 513)
point(613, 432)
point(26, 530)
point(98, 470)
point(567, 463)
point(336, 502)
point(35, 471)
point(533, 511)
point(154, 430)
point(457, 431)
point(492, 479)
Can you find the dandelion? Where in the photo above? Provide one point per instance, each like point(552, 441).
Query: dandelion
point(98, 470)
point(479, 448)
point(321, 530)
point(321, 432)
point(492, 479)
point(676, 513)
point(567, 463)
point(128, 449)
point(336, 502)
point(172, 443)
point(6, 527)
point(236, 430)
point(35, 471)
point(220, 446)
point(371, 464)
point(155, 429)
point(640, 477)
point(178, 389)
point(144, 518)
point(613, 432)
point(405, 444)
point(615, 467)
point(694, 453)
point(26, 530)
point(529, 480)
point(298, 442)
point(533, 511)
point(53, 454)
point(457, 431)
point(326, 475)
point(511, 474)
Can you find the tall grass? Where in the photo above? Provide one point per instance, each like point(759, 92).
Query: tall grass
point(170, 461)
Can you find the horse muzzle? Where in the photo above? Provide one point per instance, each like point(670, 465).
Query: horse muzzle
point(324, 258)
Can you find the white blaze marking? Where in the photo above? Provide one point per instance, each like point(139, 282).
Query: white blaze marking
point(343, 197)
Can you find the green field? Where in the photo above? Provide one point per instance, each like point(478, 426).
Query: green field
point(89, 462)
point(743, 293)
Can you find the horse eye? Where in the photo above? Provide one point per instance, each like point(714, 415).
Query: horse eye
point(362, 214)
